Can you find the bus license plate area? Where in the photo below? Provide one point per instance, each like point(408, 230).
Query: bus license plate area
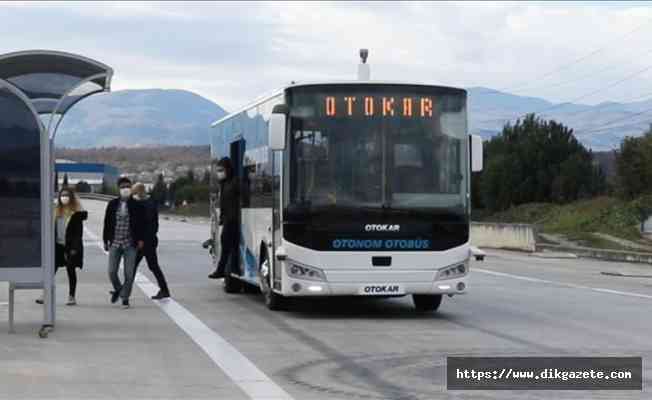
point(383, 289)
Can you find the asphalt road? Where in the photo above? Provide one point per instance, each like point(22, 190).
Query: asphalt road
point(345, 348)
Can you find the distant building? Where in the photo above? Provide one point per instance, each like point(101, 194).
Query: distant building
point(96, 175)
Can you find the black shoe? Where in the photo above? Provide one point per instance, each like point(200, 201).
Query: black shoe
point(115, 295)
point(216, 275)
point(162, 294)
point(125, 304)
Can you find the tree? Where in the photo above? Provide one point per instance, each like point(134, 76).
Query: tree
point(634, 166)
point(159, 191)
point(206, 180)
point(537, 161)
point(191, 176)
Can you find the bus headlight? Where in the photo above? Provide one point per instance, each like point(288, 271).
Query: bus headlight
point(453, 271)
point(303, 272)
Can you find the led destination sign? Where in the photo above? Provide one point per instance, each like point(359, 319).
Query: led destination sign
point(378, 106)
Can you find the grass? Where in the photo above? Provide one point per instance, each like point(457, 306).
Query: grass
point(578, 220)
point(531, 213)
point(602, 214)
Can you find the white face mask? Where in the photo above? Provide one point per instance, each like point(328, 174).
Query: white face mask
point(221, 176)
point(65, 200)
point(125, 192)
point(139, 197)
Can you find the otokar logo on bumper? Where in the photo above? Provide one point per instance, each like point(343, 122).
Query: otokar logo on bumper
point(387, 289)
point(382, 228)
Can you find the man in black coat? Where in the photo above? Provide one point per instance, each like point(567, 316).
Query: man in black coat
point(151, 240)
point(229, 217)
point(124, 223)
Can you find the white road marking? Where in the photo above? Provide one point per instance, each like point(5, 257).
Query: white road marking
point(564, 284)
point(236, 366)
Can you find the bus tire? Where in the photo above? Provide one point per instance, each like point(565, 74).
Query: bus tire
point(232, 284)
point(426, 302)
point(273, 301)
point(251, 289)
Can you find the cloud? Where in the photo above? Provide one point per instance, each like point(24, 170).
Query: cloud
point(232, 52)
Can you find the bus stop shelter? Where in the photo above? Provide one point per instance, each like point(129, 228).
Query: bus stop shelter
point(37, 88)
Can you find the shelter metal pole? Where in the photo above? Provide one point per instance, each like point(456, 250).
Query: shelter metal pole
point(49, 298)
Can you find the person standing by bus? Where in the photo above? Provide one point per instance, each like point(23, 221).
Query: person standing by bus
point(151, 240)
point(123, 236)
point(69, 245)
point(229, 216)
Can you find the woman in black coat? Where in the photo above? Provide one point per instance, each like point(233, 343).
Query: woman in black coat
point(69, 242)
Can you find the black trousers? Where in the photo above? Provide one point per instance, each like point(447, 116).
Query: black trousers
point(72, 276)
point(229, 248)
point(149, 253)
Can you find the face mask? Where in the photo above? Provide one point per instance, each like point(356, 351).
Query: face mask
point(65, 200)
point(221, 176)
point(138, 197)
point(125, 192)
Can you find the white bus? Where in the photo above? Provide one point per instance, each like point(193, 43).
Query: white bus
point(351, 188)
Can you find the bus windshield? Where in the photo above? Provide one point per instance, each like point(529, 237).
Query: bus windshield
point(377, 146)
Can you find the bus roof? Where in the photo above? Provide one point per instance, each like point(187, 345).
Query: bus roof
point(279, 91)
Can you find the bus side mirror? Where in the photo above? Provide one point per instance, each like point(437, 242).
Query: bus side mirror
point(277, 127)
point(476, 153)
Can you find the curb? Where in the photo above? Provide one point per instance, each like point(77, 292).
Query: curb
point(601, 254)
point(555, 255)
point(624, 275)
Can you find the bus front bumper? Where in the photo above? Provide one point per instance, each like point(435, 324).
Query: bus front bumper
point(402, 283)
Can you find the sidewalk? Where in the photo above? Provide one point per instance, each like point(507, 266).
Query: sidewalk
point(99, 351)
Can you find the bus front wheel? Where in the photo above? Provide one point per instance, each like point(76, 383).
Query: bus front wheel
point(273, 301)
point(426, 302)
point(231, 283)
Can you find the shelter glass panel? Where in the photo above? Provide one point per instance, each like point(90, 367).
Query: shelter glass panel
point(20, 184)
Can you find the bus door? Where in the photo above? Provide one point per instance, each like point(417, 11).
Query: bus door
point(237, 160)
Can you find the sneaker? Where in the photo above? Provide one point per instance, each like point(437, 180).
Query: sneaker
point(71, 301)
point(115, 295)
point(216, 275)
point(161, 295)
point(125, 304)
point(39, 300)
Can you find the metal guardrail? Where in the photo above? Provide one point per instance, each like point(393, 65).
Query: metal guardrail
point(96, 196)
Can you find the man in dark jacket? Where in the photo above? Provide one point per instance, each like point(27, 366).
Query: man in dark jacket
point(229, 217)
point(151, 240)
point(124, 223)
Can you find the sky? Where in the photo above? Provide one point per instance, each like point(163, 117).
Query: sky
point(231, 53)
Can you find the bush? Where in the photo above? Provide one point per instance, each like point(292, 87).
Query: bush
point(192, 193)
point(83, 187)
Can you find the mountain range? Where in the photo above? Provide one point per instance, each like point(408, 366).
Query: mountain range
point(600, 127)
point(133, 118)
point(149, 117)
